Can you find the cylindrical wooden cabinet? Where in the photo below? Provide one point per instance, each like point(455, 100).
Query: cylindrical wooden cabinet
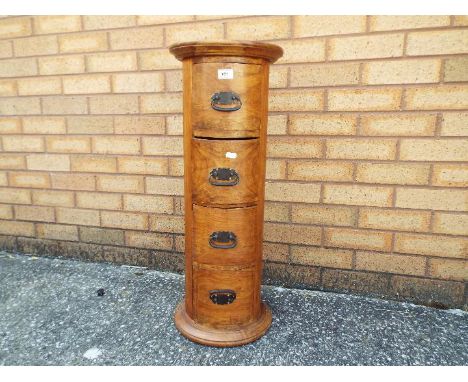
point(225, 125)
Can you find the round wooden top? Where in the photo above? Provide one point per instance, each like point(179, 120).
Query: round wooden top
point(263, 50)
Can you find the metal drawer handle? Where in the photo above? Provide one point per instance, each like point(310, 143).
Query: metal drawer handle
point(223, 177)
point(222, 296)
point(226, 101)
point(223, 240)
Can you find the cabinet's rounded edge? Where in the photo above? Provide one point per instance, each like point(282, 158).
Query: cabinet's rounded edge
point(263, 50)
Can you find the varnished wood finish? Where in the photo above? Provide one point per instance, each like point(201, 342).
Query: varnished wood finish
point(220, 139)
point(239, 155)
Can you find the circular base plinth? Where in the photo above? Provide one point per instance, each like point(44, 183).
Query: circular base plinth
point(237, 336)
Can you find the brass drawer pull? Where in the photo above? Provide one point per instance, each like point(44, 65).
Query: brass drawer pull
point(223, 240)
point(226, 101)
point(222, 296)
point(223, 177)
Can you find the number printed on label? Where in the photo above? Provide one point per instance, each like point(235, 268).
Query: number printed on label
point(225, 74)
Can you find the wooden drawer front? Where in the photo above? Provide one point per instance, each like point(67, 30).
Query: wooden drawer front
point(238, 155)
point(242, 281)
point(225, 236)
point(246, 82)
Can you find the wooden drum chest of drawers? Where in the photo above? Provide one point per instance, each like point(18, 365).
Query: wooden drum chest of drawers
point(225, 125)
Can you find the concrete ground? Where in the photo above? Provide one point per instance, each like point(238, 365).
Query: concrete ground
point(51, 314)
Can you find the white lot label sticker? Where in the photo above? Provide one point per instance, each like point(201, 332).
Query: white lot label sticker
point(231, 155)
point(225, 74)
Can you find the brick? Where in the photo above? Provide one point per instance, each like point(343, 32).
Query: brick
point(358, 239)
point(460, 20)
point(116, 145)
point(68, 144)
point(303, 50)
point(389, 263)
point(34, 213)
point(111, 62)
point(73, 181)
point(120, 183)
point(398, 125)
point(276, 252)
point(77, 216)
point(434, 150)
point(190, 32)
point(401, 72)
point(167, 223)
point(101, 236)
point(10, 125)
point(90, 125)
point(277, 125)
point(278, 77)
point(6, 49)
point(53, 198)
point(148, 240)
point(44, 125)
point(296, 100)
point(162, 146)
point(176, 166)
point(434, 98)
point(147, 125)
point(292, 276)
point(164, 186)
point(125, 220)
point(57, 232)
point(359, 282)
point(174, 124)
point(305, 26)
point(48, 162)
point(15, 27)
point(320, 171)
point(455, 69)
point(356, 195)
point(16, 228)
point(292, 233)
point(322, 257)
point(83, 42)
point(276, 212)
point(275, 169)
point(158, 59)
point(399, 220)
point(8, 88)
point(437, 42)
point(136, 38)
point(344, 148)
point(35, 46)
point(113, 104)
point(162, 19)
point(161, 103)
point(431, 245)
point(392, 173)
point(386, 23)
point(449, 200)
point(454, 124)
point(364, 99)
point(64, 105)
point(292, 147)
point(448, 269)
point(292, 192)
point(173, 81)
point(6, 212)
point(317, 124)
point(56, 24)
point(263, 28)
point(23, 143)
point(450, 175)
point(363, 47)
point(323, 215)
point(138, 82)
point(147, 203)
point(3, 178)
point(18, 67)
point(93, 163)
point(141, 165)
point(451, 224)
point(15, 195)
point(107, 22)
point(86, 84)
point(179, 206)
point(97, 200)
point(12, 162)
point(61, 65)
point(325, 75)
point(29, 179)
point(19, 106)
